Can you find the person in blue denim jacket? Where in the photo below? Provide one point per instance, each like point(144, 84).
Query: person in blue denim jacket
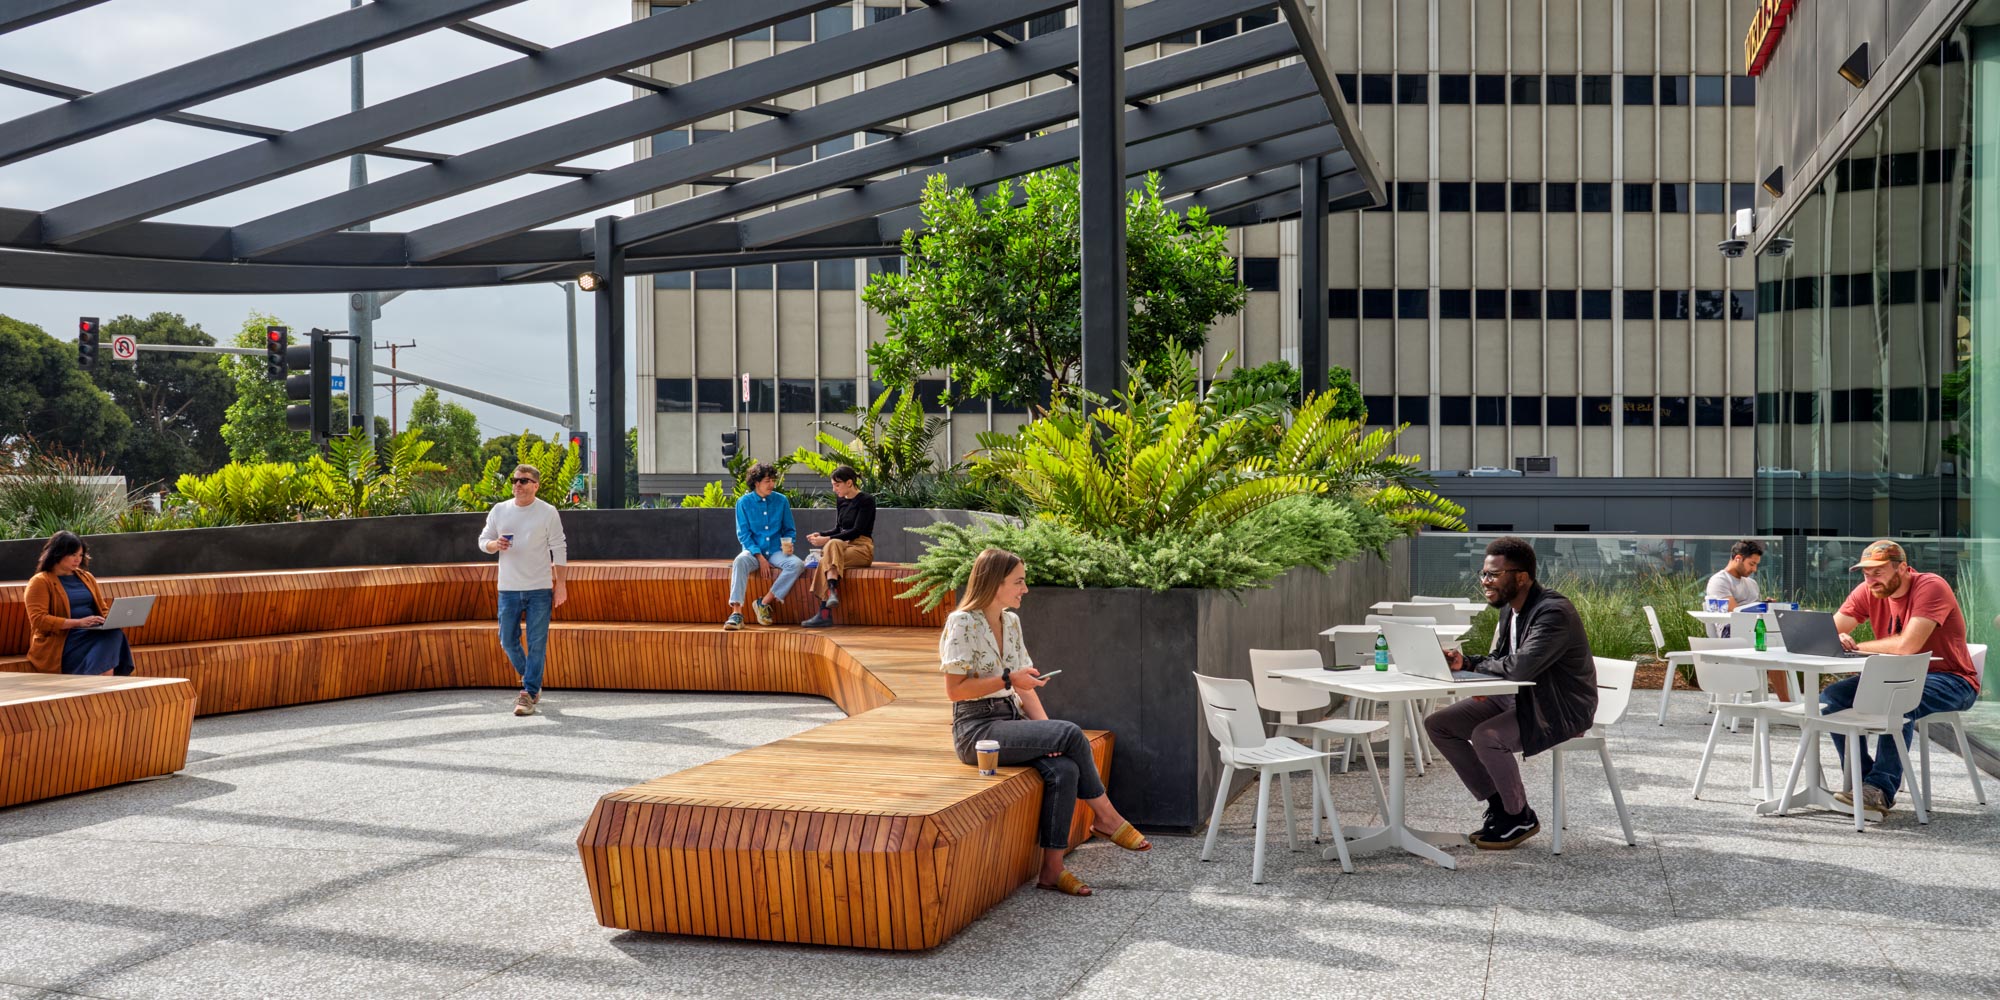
point(765, 529)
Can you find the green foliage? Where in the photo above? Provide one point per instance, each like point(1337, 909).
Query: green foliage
point(725, 494)
point(992, 289)
point(713, 495)
point(1613, 612)
point(352, 481)
point(46, 492)
point(890, 452)
point(254, 425)
point(175, 401)
point(455, 432)
point(558, 464)
point(47, 397)
point(245, 493)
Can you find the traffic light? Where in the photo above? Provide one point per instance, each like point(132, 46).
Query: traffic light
point(579, 442)
point(730, 442)
point(309, 392)
point(276, 340)
point(86, 341)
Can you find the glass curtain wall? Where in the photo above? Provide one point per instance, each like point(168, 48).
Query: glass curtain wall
point(1873, 419)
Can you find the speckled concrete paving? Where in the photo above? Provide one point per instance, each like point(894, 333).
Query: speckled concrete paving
point(421, 845)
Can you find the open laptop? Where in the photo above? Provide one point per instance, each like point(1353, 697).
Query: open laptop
point(1417, 652)
point(1812, 633)
point(127, 612)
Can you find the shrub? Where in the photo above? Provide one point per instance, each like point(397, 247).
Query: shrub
point(893, 454)
point(47, 492)
point(557, 463)
point(246, 493)
point(351, 480)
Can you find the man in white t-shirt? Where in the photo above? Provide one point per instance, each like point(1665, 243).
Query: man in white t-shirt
point(528, 535)
point(1736, 583)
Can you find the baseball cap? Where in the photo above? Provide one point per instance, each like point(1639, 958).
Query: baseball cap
point(1880, 553)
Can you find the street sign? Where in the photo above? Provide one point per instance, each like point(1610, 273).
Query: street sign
point(125, 347)
point(340, 383)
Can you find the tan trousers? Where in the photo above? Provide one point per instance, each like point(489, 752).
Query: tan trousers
point(840, 557)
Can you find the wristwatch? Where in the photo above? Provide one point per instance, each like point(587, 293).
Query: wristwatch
point(1007, 679)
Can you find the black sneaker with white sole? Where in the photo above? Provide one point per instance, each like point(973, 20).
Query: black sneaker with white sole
point(1508, 832)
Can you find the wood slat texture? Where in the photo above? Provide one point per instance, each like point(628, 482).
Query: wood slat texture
point(865, 832)
point(63, 734)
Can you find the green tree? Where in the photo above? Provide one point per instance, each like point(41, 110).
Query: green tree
point(175, 401)
point(558, 463)
point(453, 429)
point(1287, 381)
point(992, 288)
point(254, 425)
point(46, 396)
point(631, 463)
point(506, 446)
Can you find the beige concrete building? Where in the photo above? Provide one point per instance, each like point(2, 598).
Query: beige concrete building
point(1543, 282)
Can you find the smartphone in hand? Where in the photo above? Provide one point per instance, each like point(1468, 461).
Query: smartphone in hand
point(1049, 674)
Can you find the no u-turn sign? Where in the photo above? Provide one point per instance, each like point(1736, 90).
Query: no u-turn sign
point(125, 347)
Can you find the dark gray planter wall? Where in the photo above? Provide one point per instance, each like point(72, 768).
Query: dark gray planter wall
point(673, 533)
point(1130, 657)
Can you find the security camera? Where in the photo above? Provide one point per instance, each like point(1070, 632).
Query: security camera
point(1732, 247)
point(1780, 246)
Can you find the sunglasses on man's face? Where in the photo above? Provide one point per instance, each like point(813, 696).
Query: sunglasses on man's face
point(520, 480)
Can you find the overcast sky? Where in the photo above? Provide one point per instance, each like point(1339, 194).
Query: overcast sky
point(506, 341)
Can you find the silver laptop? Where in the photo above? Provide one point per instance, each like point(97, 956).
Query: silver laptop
point(1812, 633)
point(127, 612)
point(1417, 652)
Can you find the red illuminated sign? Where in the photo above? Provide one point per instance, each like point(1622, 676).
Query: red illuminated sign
point(1765, 31)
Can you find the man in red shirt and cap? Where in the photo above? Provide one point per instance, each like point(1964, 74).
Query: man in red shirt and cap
point(1910, 612)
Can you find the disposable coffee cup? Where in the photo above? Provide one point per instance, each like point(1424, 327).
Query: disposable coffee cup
point(786, 544)
point(989, 756)
point(508, 536)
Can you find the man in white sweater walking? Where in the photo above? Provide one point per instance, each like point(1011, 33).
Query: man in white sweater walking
point(528, 535)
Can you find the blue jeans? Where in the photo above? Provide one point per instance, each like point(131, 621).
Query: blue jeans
point(789, 568)
point(533, 606)
point(1884, 770)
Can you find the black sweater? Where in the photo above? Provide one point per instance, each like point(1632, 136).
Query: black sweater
point(853, 518)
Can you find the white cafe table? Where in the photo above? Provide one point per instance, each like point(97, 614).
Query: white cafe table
point(1813, 667)
point(1715, 620)
point(1444, 632)
point(1465, 607)
point(1395, 686)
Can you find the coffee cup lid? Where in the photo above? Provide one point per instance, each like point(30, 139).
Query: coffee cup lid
point(986, 745)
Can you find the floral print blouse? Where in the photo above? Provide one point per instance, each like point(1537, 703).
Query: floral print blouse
point(969, 647)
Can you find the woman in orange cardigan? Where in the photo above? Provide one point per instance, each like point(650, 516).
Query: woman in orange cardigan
point(62, 598)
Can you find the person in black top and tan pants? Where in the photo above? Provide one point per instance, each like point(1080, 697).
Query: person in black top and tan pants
point(851, 545)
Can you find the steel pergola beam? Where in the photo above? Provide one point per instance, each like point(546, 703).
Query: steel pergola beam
point(21, 13)
point(784, 73)
point(1312, 261)
point(927, 145)
point(452, 101)
point(805, 127)
point(326, 40)
point(1311, 54)
point(1100, 124)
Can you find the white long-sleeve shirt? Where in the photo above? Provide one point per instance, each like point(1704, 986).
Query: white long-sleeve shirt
point(538, 544)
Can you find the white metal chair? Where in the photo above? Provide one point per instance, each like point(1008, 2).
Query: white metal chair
point(1230, 706)
point(1956, 722)
point(1420, 599)
point(1738, 682)
point(1288, 699)
point(1614, 692)
point(1670, 659)
point(1891, 686)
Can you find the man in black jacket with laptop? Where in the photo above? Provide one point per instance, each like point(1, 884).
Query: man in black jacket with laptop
point(1539, 638)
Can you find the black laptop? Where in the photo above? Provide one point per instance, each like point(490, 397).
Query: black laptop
point(1812, 633)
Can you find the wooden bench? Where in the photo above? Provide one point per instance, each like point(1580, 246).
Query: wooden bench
point(60, 735)
point(866, 831)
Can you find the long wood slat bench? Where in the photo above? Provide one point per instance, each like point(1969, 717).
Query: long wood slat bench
point(60, 735)
point(866, 831)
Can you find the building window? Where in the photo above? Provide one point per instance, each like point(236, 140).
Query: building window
point(1710, 198)
point(1638, 90)
point(1560, 89)
point(1673, 304)
point(1674, 198)
point(933, 394)
point(756, 276)
point(1413, 410)
point(1375, 88)
point(1454, 196)
point(1742, 304)
point(1743, 91)
point(1264, 19)
point(1378, 303)
point(673, 395)
point(1413, 196)
point(714, 395)
point(795, 277)
point(708, 134)
point(1561, 303)
point(669, 141)
point(1342, 303)
point(1490, 196)
point(1527, 196)
point(1709, 91)
point(1673, 411)
point(1260, 274)
point(878, 14)
point(1595, 89)
point(1638, 304)
point(1381, 410)
point(836, 275)
point(1559, 197)
point(1527, 303)
point(1596, 411)
point(795, 157)
point(1455, 411)
point(833, 21)
point(763, 396)
point(798, 29)
point(1527, 411)
point(1594, 196)
point(1454, 303)
point(1218, 32)
point(1344, 80)
point(1742, 196)
point(797, 395)
point(1594, 303)
point(1709, 303)
point(1045, 24)
point(1489, 88)
point(1388, 199)
point(1527, 89)
point(1489, 303)
point(1490, 411)
point(1711, 411)
point(836, 395)
point(712, 280)
point(1413, 88)
point(1454, 88)
point(1561, 411)
point(1673, 91)
point(1638, 197)
point(1413, 303)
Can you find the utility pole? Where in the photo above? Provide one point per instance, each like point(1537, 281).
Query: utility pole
point(361, 305)
point(393, 383)
point(575, 415)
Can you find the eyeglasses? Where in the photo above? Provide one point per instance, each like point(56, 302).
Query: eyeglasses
point(1490, 575)
point(518, 480)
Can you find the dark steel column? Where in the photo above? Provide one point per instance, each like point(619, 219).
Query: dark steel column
point(1101, 164)
point(610, 303)
point(1312, 275)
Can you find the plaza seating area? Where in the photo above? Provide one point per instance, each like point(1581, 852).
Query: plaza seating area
point(867, 831)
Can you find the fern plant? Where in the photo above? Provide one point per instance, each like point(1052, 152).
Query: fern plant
point(891, 452)
point(723, 494)
point(558, 464)
point(350, 480)
point(246, 493)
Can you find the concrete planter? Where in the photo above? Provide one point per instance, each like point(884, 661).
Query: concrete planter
point(1130, 657)
point(673, 533)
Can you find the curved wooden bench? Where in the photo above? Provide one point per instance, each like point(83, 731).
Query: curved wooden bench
point(866, 831)
point(60, 735)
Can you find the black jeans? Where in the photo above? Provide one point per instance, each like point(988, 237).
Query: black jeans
point(1066, 777)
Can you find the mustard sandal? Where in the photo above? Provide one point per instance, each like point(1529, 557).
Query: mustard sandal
point(1067, 883)
point(1127, 837)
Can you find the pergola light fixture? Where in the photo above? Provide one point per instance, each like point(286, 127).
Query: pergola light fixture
point(1774, 183)
point(1855, 69)
point(589, 280)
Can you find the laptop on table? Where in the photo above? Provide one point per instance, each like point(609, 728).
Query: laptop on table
point(126, 612)
point(1419, 653)
point(1812, 633)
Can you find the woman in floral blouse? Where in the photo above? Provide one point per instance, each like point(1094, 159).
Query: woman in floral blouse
point(993, 688)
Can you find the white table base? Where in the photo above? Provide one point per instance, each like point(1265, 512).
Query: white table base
point(1394, 834)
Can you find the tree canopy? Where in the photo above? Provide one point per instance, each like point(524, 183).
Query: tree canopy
point(453, 429)
point(175, 401)
point(45, 395)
